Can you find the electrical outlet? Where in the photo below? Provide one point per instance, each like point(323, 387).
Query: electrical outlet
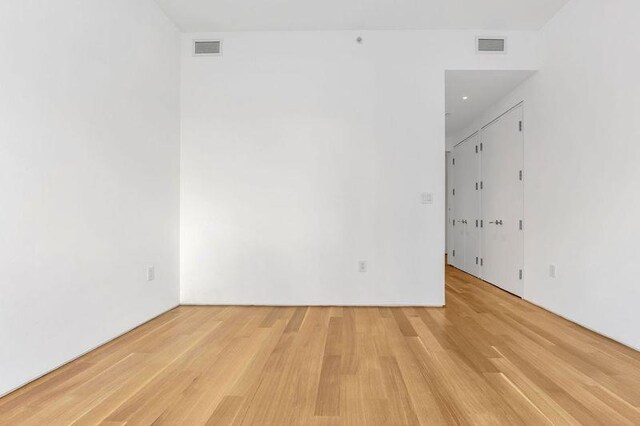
point(427, 198)
point(151, 273)
point(552, 271)
point(362, 266)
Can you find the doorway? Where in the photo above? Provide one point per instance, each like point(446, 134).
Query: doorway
point(485, 167)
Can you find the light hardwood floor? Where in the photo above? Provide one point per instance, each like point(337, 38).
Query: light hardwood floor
point(487, 358)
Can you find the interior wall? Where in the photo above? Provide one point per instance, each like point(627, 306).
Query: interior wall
point(582, 181)
point(304, 153)
point(89, 177)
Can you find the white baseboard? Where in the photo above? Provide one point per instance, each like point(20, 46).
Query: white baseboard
point(276, 305)
point(85, 352)
point(290, 306)
point(583, 326)
point(202, 304)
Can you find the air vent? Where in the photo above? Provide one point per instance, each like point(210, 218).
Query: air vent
point(207, 47)
point(491, 45)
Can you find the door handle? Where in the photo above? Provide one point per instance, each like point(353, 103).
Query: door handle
point(497, 222)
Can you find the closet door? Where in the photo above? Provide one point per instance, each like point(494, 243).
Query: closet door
point(450, 208)
point(467, 204)
point(502, 201)
point(458, 249)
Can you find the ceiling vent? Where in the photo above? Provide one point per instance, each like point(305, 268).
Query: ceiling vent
point(207, 47)
point(491, 45)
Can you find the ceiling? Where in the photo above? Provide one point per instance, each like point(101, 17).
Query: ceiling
point(482, 88)
point(238, 15)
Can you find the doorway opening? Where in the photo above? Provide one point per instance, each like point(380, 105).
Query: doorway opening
point(485, 129)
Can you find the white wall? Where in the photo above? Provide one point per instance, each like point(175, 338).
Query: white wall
point(305, 152)
point(582, 180)
point(89, 176)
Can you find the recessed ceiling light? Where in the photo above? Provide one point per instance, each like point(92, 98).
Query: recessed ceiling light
point(464, 98)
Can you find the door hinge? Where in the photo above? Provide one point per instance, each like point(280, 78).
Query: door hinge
point(454, 161)
point(481, 146)
point(521, 226)
point(454, 222)
point(476, 260)
point(481, 262)
point(476, 223)
point(481, 223)
point(481, 185)
point(476, 149)
point(454, 191)
point(520, 126)
point(476, 186)
point(521, 175)
point(521, 274)
point(454, 253)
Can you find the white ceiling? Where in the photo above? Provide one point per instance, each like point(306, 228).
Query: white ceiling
point(238, 15)
point(483, 89)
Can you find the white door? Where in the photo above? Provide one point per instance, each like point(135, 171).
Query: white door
point(456, 256)
point(502, 201)
point(449, 215)
point(467, 205)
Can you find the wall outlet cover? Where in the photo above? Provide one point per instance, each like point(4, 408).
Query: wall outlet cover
point(151, 273)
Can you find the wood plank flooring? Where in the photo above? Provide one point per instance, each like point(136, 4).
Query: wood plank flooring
point(487, 358)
